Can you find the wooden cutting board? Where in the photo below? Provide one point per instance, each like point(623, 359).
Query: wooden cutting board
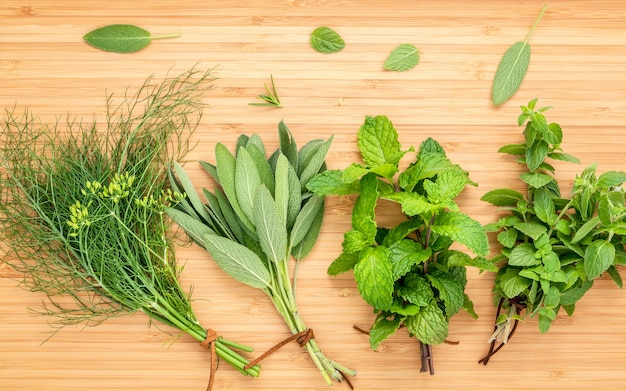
point(577, 66)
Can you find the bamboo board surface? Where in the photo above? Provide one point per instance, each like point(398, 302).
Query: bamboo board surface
point(577, 66)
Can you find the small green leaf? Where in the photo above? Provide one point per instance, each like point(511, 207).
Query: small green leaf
point(536, 154)
point(585, 229)
point(326, 40)
point(564, 157)
point(363, 210)
point(331, 182)
point(288, 145)
point(462, 229)
point(513, 284)
point(355, 241)
point(599, 256)
point(534, 230)
point(503, 197)
point(405, 254)
point(611, 179)
point(305, 219)
point(412, 204)
point(192, 226)
point(122, 38)
point(512, 68)
point(238, 261)
point(305, 246)
point(378, 142)
point(507, 238)
point(543, 205)
point(382, 329)
point(458, 258)
point(447, 186)
point(429, 325)
point(374, 277)
point(536, 179)
point(514, 149)
point(450, 291)
point(403, 58)
point(572, 295)
point(247, 182)
point(552, 298)
point(343, 263)
point(523, 255)
point(416, 290)
point(226, 168)
point(316, 162)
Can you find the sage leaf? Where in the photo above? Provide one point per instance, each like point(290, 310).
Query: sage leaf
point(190, 192)
point(403, 58)
point(122, 38)
point(374, 277)
point(191, 225)
point(269, 226)
point(247, 182)
point(281, 187)
point(238, 261)
point(226, 167)
point(326, 40)
point(302, 249)
point(305, 219)
point(512, 68)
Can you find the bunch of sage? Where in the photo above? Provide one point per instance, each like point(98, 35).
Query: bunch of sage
point(82, 210)
point(259, 218)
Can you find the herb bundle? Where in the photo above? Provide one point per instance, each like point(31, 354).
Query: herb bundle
point(408, 273)
point(260, 216)
point(554, 246)
point(82, 210)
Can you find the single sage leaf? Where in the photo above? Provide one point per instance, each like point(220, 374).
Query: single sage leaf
point(326, 40)
point(238, 261)
point(122, 38)
point(403, 58)
point(512, 68)
point(191, 225)
point(269, 226)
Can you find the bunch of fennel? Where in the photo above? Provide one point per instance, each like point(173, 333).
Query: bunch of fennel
point(82, 209)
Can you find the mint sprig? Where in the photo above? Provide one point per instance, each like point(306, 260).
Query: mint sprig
point(554, 246)
point(408, 272)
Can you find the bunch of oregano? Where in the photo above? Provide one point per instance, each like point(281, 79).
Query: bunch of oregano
point(554, 246)
point(82, 210)
point(408, 273)
point(260, 217)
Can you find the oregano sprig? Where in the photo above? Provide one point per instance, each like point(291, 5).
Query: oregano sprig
point(408, 272)
point(553, 246)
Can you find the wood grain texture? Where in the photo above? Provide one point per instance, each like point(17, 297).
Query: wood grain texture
point(577, 65)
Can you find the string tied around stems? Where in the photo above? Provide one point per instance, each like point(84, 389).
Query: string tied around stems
point(303, 337)
point(209, 343)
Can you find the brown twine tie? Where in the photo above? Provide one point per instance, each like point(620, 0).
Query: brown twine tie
point(303, 337)
point(209, 343)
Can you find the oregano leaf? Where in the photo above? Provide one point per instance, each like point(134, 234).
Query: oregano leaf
point(503, 197)
point(598, 258)
point(122, 38)
point(512, 68)
point(403, 58)
point(326, 40)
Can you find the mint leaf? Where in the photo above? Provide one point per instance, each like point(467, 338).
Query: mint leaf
point(611, 179)
point(457, 258)
point(536, 179)
point(429, 325)
point(412, 204)
point(564, 157)
point(513, 284)
point(524, 255)
point(343, 263)
point(598, 257)
point(363, 211)
point(378, 142)
point(122, 38)
point(331, 183)
point(403, 58)
point(416, 290)
point(326, 40)
point(447, 186)
point(355, 241)
point(503, 197)
point(427, 166)
point(450, 291)
point(463, 229)
point(405, 254)
point(514, 149)
point(534, 230)
point(374, 277)
point(507, 238)
point(382, 329)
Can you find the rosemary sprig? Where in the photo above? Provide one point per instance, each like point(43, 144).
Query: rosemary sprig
point(271, 99)
point(82, 209)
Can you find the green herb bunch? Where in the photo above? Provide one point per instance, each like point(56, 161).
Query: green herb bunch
point(554, 246)
point(82, 210)
point(408, 273)
point(260, 217)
